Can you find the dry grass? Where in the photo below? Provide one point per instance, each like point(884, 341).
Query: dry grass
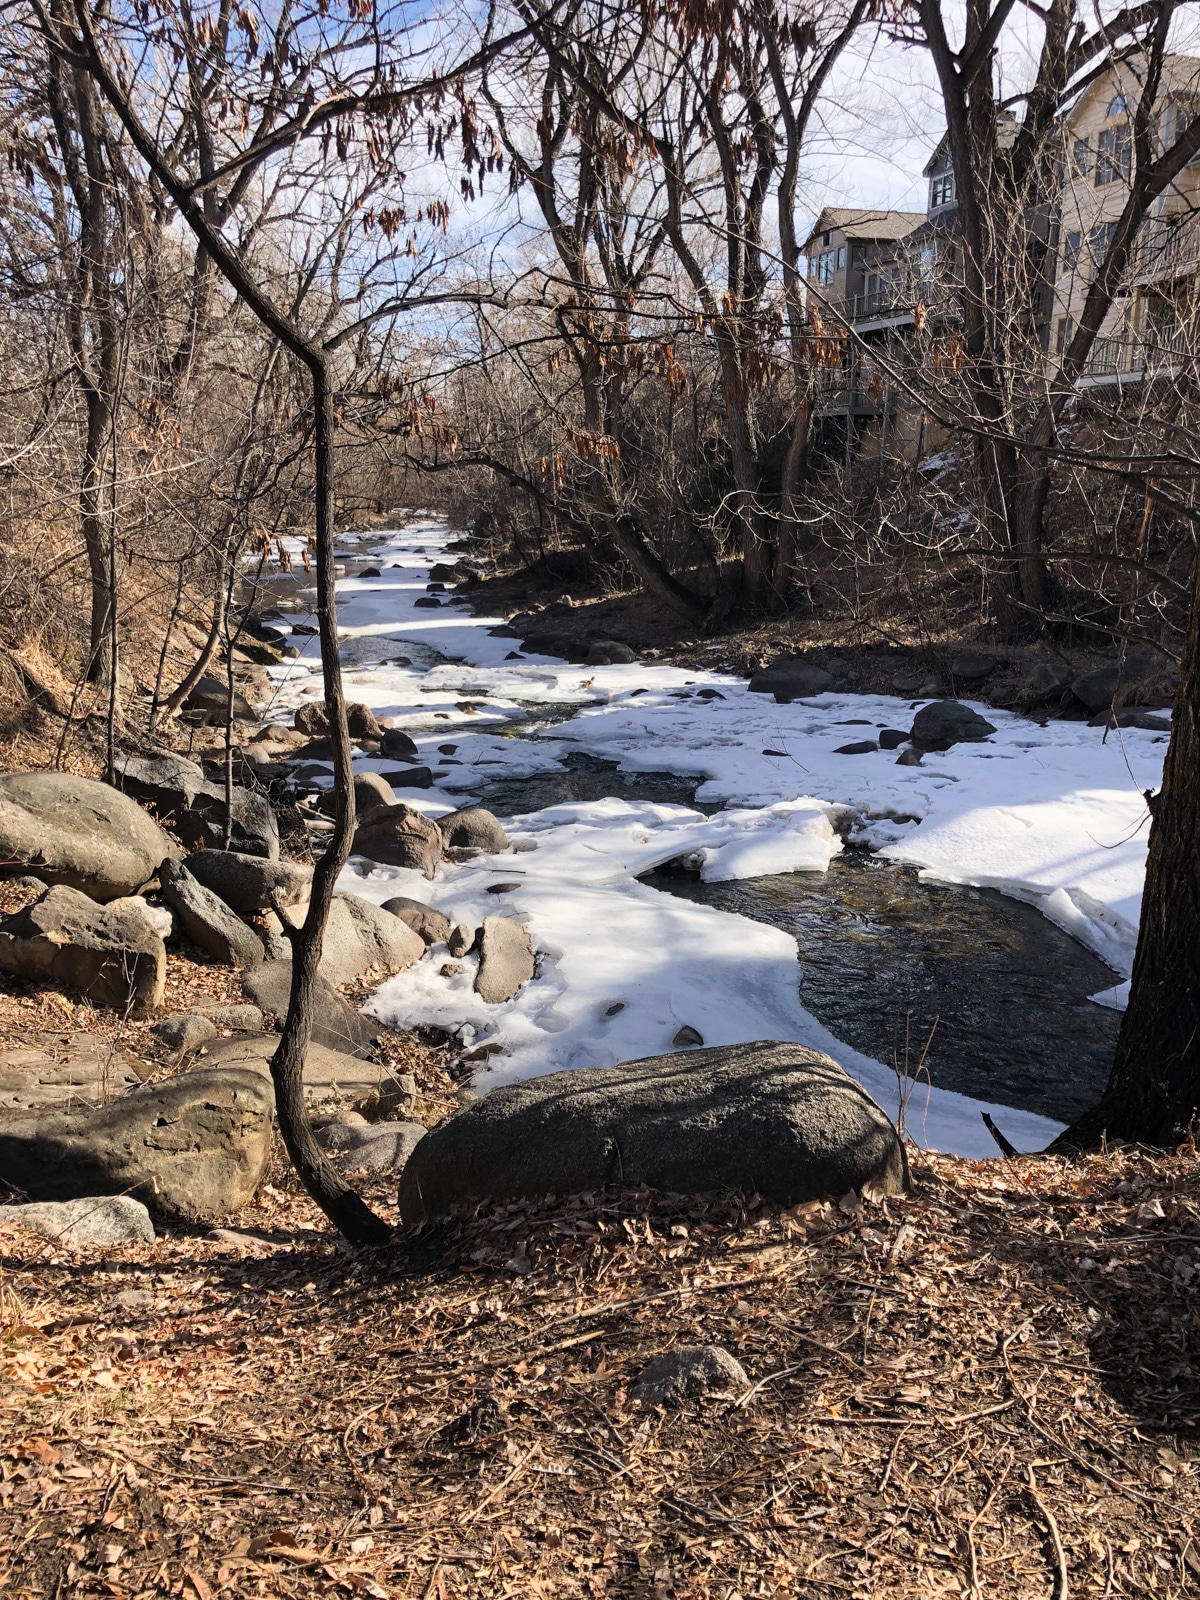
point(986, 1389)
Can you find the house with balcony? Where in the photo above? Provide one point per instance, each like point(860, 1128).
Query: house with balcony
point(905, 277)
point(1148, 329)
point(844, 251)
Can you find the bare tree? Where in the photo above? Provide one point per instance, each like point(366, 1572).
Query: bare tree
point(327, 85)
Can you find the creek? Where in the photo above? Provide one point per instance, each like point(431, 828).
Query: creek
point(968, 988)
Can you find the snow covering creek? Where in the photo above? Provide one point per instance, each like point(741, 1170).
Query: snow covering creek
point(797, 877)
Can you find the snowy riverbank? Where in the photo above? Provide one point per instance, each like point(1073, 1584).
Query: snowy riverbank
point(1053, 815)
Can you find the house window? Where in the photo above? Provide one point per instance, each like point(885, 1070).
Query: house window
point(1071, 253)
point(824, 265)
point(1177, 119)
point(1113, 155)
point(1099, 240)
point(941, 191)
point(1119, 106)
point(1081, 157)
point(1064, 334)
point(828, 237)
point(841, 260)
point(858, 255)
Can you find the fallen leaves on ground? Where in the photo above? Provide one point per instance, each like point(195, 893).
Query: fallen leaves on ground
point(952, 1393)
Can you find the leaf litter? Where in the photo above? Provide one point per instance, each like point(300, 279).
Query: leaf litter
point(987, 1388)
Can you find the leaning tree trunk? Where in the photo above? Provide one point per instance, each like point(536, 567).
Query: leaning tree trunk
point(318, 1174)
point(1153, 1092)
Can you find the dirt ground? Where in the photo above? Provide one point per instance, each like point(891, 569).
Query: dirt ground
point(988, 1388)
point(866, 653)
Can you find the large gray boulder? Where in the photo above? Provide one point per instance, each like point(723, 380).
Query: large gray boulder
point(433, 927)
point(397, 745)
point(375, 1147)
point(948, 722)
point(211, 694)
point(361, 723)
point(112, 955)
point(335, 1024)
point(1042, 680)
point(236, 1018)
point(778, 1119)
point(208, 921)
point(790, 678)
point(98, 1219)
point(1107, 686)
point(360, 935)
point(183, 796)
point(185, 1032)
point(400, 836)
point(474, 830)
point(90, 1071)
point(370, 792)
point(195, 1146)
point(78, 832)
point(505, 959)
point(1132, 717)
point(250, 883)
point(972, 665)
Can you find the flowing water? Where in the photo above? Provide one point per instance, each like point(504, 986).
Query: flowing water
point(883, 956)
point(885, 959)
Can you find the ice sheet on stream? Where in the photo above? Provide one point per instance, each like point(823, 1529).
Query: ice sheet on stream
point(1054, 815)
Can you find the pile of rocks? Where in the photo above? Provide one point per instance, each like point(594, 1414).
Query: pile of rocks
point(113, 889)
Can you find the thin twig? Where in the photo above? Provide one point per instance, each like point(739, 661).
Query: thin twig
point(1062, 1587)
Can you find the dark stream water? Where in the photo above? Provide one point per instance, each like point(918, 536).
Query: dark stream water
point(883, 955)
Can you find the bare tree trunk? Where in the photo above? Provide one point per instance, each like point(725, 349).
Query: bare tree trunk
point(318, 1174)
point(791, 477)
point(1153, 1093)
point(92, 526)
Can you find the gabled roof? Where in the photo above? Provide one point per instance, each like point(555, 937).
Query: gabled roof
point(1180, 78)
point(1007, 128)
point(866, 224)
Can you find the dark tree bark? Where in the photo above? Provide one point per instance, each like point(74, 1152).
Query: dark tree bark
point(92, 331)
point(1153, 1092)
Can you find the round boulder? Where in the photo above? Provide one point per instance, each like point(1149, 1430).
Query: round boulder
point(250, 883)
point(433, 927)
point(313, 719)
point(359, 935)
point(400, 836)
point(948, 722)
point(396, 745)
point(473, 828)
point(790, 678)
point(972, 665)
point(778, 1119)
point(80, 833)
